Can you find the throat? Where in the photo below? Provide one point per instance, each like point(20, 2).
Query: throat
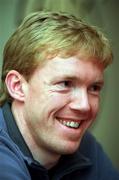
point(46, 158)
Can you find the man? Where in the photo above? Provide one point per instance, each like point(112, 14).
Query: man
point(52, 76)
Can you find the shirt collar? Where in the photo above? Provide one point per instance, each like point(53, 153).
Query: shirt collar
point(70, 163)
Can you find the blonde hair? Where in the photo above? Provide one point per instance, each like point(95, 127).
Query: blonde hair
point(43, 35)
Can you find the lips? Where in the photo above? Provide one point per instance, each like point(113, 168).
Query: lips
point(68, 122)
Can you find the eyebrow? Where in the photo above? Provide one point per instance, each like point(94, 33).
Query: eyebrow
point(100, 82)
point(71, 77)
point(65, 76)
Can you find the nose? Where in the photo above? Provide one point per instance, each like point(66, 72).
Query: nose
point(80, 100)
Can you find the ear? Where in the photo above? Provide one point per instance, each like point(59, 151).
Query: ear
point(15, 85)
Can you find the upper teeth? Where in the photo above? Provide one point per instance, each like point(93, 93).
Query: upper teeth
point(70, 123)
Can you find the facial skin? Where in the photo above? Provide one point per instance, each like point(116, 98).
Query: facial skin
point(65, 92)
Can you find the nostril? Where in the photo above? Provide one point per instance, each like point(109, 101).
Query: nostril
point(82, 105)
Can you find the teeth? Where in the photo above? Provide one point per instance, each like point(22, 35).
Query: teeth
point(71, 124)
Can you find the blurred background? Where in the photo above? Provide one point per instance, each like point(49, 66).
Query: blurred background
point(102, 13)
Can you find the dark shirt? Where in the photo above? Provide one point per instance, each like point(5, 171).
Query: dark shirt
point(89, 162)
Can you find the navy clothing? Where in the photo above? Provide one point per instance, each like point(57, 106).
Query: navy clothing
point(17, 163)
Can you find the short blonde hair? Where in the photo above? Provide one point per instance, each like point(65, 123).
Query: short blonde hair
point(43, 35)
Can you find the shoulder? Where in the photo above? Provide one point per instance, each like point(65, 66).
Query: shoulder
point(12, 165)
point(101, 163)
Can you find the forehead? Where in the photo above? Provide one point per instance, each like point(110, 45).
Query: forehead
point(71, 67)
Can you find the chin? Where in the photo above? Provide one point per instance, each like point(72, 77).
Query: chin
point(70, 148)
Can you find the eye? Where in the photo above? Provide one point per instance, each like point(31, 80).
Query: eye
point(64, 85)
point(95, 89)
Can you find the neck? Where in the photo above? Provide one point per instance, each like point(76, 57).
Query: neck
point(44, 157)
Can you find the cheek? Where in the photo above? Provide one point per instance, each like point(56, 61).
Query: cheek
point(95, 107)
point(59, 99)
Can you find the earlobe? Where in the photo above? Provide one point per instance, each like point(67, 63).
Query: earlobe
point(14, 83)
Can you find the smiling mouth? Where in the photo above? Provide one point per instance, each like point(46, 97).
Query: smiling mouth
point(70, 124)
